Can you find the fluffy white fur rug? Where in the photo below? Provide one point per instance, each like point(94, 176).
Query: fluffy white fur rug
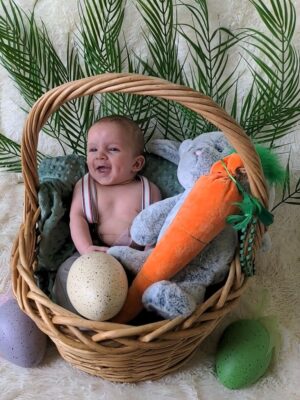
point(278, 274)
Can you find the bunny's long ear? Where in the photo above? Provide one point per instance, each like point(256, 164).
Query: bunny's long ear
point(167, 149)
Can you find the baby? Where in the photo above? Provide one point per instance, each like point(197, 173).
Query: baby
point(110, 195)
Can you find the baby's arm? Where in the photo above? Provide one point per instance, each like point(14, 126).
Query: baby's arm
point(79, 227)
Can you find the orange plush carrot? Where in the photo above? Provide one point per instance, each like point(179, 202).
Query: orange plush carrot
point(201, 217)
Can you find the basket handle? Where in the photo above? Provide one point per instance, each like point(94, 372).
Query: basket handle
point(143, 86)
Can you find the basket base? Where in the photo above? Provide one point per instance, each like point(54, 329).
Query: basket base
point(128, 369)
point(137, 361)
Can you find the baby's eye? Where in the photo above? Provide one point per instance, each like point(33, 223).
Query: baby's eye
point(114, 149)
point(92, 149)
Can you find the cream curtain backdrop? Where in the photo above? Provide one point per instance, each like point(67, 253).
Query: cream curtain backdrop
point(278, 274)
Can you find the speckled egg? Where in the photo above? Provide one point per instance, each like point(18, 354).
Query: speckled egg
point(244, 353)
point(97, 286)
point(21, 342)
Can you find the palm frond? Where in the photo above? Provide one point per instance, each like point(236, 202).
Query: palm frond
point(160, 19)
point(101, 22)
point(271, 107)
point(290, 190)
point(29, 56)
point(10, 155)
point(209, 52)
point(161, 39)
point(99, 45)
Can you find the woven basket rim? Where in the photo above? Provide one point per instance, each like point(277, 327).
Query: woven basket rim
point(64, 327)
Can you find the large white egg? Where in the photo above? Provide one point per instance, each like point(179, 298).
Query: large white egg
point(97, 286)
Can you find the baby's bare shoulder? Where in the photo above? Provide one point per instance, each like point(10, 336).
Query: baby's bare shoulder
point(155, 192)
point(77, 194)
point(77, 188)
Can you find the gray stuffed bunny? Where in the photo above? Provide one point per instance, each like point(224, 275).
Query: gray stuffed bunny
point(186, 289)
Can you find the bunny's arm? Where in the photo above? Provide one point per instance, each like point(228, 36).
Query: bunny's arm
point(148, 223)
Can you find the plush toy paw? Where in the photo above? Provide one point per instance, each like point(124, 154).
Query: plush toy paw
point(147, 225)
point(168, 300)
point(143, 230)
point(130, 258)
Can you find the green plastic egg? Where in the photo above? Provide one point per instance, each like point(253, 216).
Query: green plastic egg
point(244, 354)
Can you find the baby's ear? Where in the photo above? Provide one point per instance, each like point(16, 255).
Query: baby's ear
point(138, 164)
point(167, 149)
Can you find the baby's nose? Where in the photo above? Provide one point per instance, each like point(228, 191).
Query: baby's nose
point(101, 154)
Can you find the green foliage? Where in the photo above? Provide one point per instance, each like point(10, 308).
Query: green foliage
point(268, 110)
point(10, 154)
point(101, 23)
point(160, 36)
point(291, 190)
point(31, 60)
point(271, 107)
point(209, 52)
point(100, 46)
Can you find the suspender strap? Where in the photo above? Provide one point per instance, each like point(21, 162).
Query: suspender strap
point(146, 192)
point(89, 199)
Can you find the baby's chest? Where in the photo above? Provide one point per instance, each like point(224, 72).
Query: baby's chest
point(118, 203)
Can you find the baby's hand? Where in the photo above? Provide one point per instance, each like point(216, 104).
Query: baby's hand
point(90, 249)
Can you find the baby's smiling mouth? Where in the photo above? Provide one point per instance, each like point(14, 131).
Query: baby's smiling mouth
point(103, 168)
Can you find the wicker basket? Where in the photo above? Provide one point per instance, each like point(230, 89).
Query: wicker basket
point(113, 351)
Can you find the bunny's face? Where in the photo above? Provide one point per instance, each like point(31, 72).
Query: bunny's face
point(197, 156)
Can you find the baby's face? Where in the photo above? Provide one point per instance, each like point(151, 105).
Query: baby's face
point(111, 156)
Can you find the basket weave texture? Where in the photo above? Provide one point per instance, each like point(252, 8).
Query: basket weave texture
point(116, 352)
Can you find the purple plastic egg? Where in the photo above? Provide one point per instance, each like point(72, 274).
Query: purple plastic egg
point(21, 342)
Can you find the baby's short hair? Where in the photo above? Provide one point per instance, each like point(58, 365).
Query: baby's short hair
point(136, 132)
